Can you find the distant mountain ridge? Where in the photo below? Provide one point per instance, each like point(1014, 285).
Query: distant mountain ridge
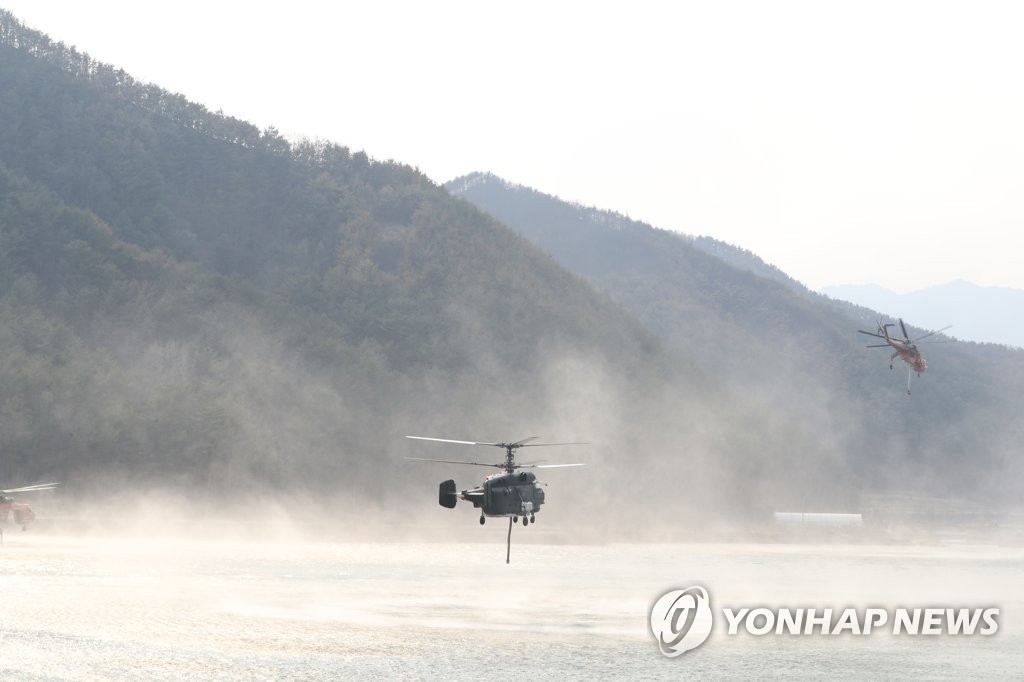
point(982, 314)
point(735, 256)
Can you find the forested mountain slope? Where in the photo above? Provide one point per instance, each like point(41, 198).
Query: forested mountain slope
point(771, 340)
point(189, 302)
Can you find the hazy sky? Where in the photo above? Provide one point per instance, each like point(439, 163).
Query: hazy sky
point(844, 142)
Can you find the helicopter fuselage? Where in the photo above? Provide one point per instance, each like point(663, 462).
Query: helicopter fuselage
point(906, 351)
point(23, 514)
point(507, 494)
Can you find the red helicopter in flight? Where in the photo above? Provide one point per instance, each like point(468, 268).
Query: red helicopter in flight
point(906, 348)
point(23, 514)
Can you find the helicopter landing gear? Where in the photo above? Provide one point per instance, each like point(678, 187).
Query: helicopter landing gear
point(482, 519)
point(526, 521)
point(515, 519)
point(533, 519)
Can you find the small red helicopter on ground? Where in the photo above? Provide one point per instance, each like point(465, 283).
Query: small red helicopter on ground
point(906, 348)
point(23, 514)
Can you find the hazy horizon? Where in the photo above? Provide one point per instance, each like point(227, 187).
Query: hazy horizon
point(976, 313)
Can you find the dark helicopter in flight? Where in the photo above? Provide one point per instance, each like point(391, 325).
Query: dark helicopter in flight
point(512, 494)
point(905, 348)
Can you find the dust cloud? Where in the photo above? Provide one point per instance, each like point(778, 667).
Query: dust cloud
point(240, 438)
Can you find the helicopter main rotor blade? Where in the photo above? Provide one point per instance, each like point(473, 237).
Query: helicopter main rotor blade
point(861, 331)
point(448, 440)
point(547, 466)
point(934, 332)
point(518, 444)
point(452, 461)
point(544, 445)
point(906, 336)
point(879, 345)
point(31, 488)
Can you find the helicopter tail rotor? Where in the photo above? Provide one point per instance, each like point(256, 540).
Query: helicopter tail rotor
point(446, 496)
